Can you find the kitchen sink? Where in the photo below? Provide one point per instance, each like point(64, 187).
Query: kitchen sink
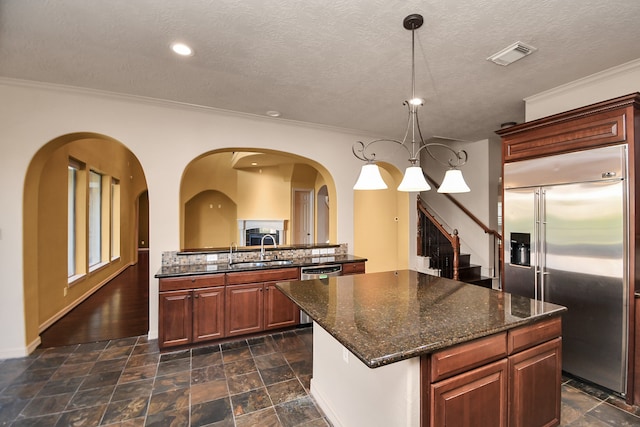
point(255, 264)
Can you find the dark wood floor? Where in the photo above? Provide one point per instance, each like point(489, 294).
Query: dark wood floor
point(119, 309)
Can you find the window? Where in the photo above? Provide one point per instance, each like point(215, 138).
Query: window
point(115, 219)
point(95, 218)
point(72, 182)
point(76, 219)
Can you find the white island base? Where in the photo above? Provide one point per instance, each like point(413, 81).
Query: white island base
point(351, 394)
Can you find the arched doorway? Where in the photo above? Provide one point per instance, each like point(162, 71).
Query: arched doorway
point(81, 196)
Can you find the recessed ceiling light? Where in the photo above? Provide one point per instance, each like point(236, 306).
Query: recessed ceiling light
point(182, 49)
point(273, 113)
point(254, 164)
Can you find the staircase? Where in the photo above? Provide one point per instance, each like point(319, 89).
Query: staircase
point(442, 250)
point(471, 273)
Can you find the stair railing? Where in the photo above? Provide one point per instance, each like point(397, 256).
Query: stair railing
point(496, 236)
point(435, 242)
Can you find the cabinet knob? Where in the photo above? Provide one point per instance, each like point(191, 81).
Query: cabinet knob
point(196, 296)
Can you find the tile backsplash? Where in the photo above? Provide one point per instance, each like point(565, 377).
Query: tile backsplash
point(184, 258)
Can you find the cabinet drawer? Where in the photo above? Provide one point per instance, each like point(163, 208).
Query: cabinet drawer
point(353, 268)
point(262, 276)
point(528, 336)
point(464, 357)
point(191, 282)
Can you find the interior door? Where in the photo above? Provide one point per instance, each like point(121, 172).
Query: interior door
point(302, 216)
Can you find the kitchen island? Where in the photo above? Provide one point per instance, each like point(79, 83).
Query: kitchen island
point(406, 348)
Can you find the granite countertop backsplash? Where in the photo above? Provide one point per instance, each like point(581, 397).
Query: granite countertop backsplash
point(391, 316)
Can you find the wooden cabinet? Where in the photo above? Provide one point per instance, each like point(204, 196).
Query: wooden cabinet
point(507, 379)
point(175, 318)
point(255, 304)
point(279, 311)
point(244, 309)
point(531, 371)
point(208, 313)
point(190, 309)
point(212, 306)
point(353, 268)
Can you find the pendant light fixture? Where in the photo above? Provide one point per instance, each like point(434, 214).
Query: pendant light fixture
point(414, 179)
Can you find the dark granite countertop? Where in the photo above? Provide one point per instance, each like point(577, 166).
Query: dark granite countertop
point(391, 316)
point(198, 269)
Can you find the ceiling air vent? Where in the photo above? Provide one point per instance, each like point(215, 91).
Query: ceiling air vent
point(512, 53)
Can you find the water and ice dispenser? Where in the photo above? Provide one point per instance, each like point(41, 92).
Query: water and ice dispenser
point(521, 249)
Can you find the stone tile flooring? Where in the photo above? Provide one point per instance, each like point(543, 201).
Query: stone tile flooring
point(585, 405)
point(261, 381)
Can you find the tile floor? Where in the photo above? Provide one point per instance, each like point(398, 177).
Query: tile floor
point(261, 381)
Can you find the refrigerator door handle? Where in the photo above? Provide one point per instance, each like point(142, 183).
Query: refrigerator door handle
point(542, 261)
point(536, 243)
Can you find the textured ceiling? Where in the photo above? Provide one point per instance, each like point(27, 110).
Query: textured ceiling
point(342, 63)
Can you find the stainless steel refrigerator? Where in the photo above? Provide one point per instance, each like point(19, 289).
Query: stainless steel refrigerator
point(566, 242)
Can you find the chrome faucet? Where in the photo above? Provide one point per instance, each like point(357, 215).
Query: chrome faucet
point(231, 251)
point(262, 245)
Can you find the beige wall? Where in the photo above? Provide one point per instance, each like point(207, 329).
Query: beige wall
point(46, 211)
point(381, 224)
point(162, 137)
point(265, 194)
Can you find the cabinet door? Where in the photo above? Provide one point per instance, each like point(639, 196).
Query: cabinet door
point(535, 376)
point(279, 311)
point(208, 313)
point(474, 398)
point(244, 309)
point(175, 318)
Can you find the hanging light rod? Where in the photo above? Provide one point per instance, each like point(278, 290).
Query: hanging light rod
point(413, 142)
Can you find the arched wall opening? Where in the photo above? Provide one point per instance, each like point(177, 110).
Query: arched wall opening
point(49, 291)
point(250, 183)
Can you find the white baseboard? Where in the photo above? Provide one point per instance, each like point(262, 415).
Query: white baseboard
point(13, 353)
point(324, 406)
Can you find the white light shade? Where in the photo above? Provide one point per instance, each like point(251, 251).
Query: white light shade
point(414, 180)
point(453, 182)
point(370, 178)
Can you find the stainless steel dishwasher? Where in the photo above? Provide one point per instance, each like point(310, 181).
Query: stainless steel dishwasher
point(319, 272)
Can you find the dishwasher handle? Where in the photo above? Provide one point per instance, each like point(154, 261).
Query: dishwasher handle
point(320, 272)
